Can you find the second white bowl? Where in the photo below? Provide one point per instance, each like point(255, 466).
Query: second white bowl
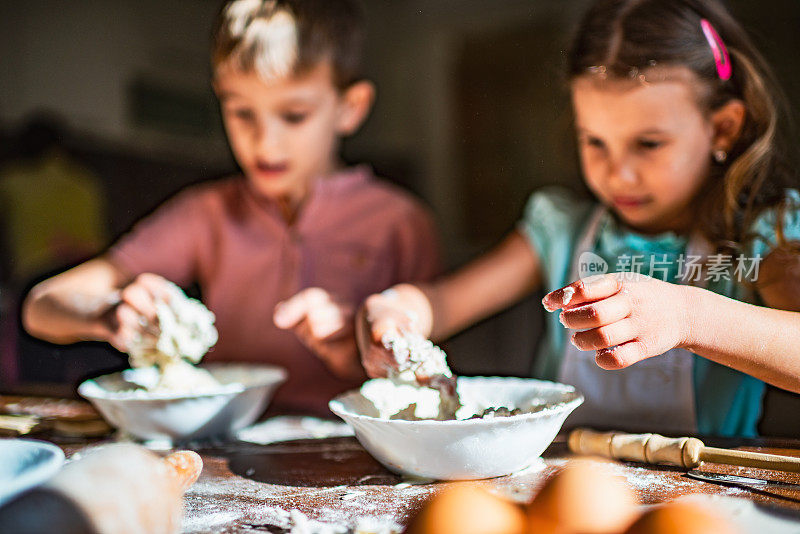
point(244, 394)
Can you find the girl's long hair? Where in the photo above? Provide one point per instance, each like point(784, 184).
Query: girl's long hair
point(627, 37)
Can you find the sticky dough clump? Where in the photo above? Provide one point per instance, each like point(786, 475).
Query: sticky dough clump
point(394, 399)
point(402, 396)
point(416, 356)
point(186, 332)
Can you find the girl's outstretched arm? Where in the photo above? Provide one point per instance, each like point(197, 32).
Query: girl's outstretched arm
point(437, 310)
point(484, 286)
point(761, 341)
point(627, 318)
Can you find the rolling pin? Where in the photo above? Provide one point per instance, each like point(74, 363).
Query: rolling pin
point(119, 489)
point(682, 452)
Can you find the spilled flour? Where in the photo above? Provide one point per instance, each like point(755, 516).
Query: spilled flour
point(647, 482)
point(219, 503)
point(372, 504)
point(291, 427)
point(295, 522)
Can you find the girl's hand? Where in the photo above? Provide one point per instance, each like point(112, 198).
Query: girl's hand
point(131, 321)
point(402, 308)
point(325, 325)
point(625, 317)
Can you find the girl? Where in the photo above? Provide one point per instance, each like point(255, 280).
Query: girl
point(678, 129)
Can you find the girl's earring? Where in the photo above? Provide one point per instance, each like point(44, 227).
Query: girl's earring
point(720, 156)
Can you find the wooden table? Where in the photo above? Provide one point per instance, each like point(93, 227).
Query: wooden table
point(251, 488)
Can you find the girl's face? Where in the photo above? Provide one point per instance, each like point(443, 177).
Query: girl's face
point(645, 148)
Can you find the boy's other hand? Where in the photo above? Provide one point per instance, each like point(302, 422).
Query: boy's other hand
point(325, 325)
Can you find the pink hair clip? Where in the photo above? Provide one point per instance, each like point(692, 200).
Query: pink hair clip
point(721, 57)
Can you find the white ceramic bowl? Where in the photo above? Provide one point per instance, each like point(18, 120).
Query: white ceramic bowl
point(468, 449)
point(183, 417)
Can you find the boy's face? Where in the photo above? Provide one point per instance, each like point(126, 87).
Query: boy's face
point(284, 133)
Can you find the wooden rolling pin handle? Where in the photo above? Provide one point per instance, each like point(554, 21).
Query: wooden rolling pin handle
point(751, 459)
point(584, 441)
point(648, 448)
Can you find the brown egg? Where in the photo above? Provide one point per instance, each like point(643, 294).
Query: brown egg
point(680, 518)
point(465, 508)
point(543, 525)
point(584, 497)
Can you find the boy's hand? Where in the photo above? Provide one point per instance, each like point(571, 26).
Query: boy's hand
point(131, 320)
point(325, 325)
point(402, 308)
point(625, 317)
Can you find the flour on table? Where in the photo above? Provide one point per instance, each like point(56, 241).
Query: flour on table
point(300, 524)
point(295, 522)
point(220, 503)
point(645, 481)
point(291, 427)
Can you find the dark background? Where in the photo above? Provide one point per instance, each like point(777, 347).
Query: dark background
point(472, 115)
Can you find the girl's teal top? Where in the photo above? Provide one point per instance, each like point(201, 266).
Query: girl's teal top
point(728, 402)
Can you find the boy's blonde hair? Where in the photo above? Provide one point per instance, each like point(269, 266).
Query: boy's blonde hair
point(279, 38)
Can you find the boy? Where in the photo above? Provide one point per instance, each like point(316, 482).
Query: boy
point(287, 75)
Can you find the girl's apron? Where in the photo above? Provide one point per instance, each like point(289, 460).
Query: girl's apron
point(656, 394)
